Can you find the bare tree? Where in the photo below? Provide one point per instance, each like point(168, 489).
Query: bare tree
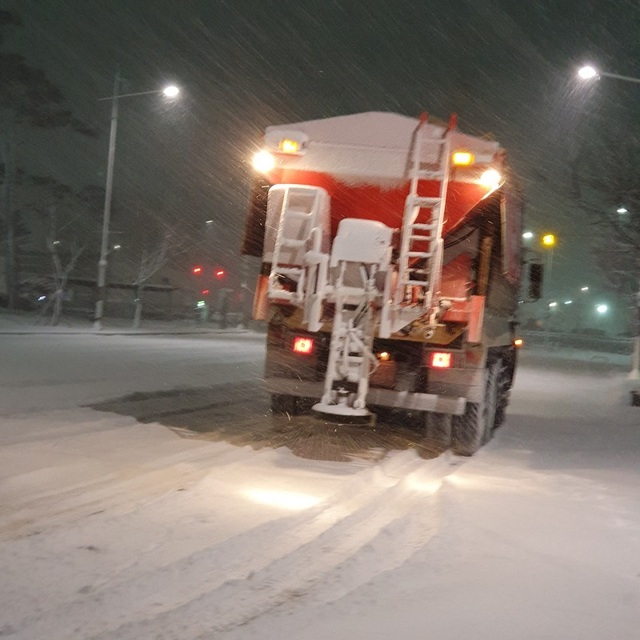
point(27, 98)
point(61, 270)
point(606, 184)
point(150, 263)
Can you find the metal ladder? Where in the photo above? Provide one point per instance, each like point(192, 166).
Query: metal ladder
point(421, 248)
point(298, 231)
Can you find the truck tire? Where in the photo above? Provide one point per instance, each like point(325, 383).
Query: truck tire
point(505, 378)
point(475, 426)
point(438, 429)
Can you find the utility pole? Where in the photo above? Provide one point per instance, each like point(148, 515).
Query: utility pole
point(104, 246)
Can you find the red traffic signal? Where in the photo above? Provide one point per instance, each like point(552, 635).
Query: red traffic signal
point(196, 271)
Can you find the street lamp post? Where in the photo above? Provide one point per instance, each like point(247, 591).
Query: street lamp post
point(170, 91)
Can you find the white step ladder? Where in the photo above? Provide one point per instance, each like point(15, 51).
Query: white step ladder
point(421, 244)
point(302, 217)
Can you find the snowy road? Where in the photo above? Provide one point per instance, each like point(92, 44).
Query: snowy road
point(146, 492)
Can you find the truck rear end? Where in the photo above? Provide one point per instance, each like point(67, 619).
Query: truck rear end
point(390, 251)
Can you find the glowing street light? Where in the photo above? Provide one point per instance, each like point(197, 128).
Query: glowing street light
point(584, 288)
point(602, 308)
point(621, 210)
point(548, 240)
point(527, 235)
point(170, 91)
point(589, 72)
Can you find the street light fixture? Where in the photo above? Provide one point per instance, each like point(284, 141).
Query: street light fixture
point(621, 210)
point(591, 73)
point(170, 91)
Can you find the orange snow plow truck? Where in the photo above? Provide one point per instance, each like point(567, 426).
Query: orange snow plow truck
point(391, 269)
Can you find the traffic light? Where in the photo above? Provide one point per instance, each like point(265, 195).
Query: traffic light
point(197, 270)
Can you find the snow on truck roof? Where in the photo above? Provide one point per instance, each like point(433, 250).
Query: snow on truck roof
point(365, 146)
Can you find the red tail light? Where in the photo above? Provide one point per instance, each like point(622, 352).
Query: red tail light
point(440, 359)
point(303, 346)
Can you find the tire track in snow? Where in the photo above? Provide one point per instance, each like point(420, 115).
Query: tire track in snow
point(123, 490)
point(322, 554)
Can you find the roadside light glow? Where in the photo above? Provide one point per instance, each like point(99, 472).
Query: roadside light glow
point(289, 146)
point(602, 308)
point(282, 499)
point(263, 161)
point(383, 356)
point(196, 271)
point(587, 72)
point(584, 288)
point(219, 273)
point(303, 346)
point(462, 158)
point(171, 91)
point(518, 342)
point(553, 304)
point(568, 301)
point(201, 304)
point(548, 240)
point(441, 360)
point(117, 247)
point(621, 210)
point(527, 235)
point(491, 178)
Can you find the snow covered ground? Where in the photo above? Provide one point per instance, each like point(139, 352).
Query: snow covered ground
point(115, 529)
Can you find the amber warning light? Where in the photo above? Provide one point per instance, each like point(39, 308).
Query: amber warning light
point(441, 359)
point(302, 345)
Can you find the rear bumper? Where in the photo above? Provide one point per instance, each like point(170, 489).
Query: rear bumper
point(410, 401)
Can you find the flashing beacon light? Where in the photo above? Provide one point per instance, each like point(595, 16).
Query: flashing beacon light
point(263, 161)
point(303, 345)
point(289, 146)
point(462, 158)
point(441, 360)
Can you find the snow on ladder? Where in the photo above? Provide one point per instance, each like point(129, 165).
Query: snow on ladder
point(302, 215)
point(421, 248)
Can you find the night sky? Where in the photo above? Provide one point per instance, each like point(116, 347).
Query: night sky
point(507, 68)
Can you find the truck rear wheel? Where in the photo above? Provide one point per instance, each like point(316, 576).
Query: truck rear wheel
point(475, 426)
point(438, 429)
